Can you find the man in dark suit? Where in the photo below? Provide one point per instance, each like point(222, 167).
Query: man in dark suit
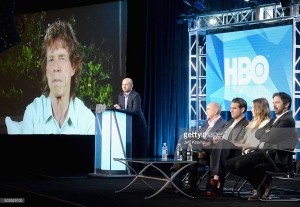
point(279, 133)
point(223, 147)
point(209, 129)
point(130, 101)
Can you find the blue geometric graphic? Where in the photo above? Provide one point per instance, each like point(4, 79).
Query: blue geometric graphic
point(249, 64)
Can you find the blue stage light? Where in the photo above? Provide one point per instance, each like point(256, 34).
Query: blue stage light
point(197, 4)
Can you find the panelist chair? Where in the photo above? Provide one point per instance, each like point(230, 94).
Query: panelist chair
point(291, 172)
point(239, 187)
point(285, 168)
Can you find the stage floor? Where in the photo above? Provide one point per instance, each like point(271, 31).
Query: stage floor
point(87, 191)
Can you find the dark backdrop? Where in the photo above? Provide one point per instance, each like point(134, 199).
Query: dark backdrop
point(157, 61)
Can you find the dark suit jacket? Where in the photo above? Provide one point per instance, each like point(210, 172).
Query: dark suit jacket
point(279, 135)
point(239, 130)
point(217, 128)
point(134, 106)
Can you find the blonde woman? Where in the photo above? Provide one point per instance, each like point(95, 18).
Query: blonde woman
point(261, 116)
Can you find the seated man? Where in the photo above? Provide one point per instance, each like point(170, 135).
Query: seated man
point(212, 126)
point(224, 148)
point(277, 134)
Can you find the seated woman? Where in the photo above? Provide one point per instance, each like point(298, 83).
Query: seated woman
point(261, 116)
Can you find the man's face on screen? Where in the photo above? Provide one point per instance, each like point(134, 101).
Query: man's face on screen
point(59, 70)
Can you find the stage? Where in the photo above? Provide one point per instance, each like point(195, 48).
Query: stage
point(86, 191)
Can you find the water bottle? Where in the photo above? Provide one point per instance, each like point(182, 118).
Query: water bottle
point(189, 152)
point(179, 152)
point(164, 151)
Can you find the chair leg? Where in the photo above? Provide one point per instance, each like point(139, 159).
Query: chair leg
point(297, 170)
point(235, 185)
point(240, 188)
point(266, 198)
point(227, 175)
point(185, 179)
point(202, 177)
point(237, 191)
point(260, 195)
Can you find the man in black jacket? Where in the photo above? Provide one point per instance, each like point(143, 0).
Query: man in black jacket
point(224, 148)
point(279, 133)
point(130, 100)
point(210, 128)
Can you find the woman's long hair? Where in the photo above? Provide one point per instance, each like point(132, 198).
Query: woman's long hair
point(261, 112)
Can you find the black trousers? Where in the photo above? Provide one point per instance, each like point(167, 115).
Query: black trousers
point(216, 158)
point(250, 166)
point(221, 152)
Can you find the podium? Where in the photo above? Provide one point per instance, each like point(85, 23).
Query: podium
point(113, 139)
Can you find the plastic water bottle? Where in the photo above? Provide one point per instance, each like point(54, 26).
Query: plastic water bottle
point(164, 151)
point(179, 152)
point(189, 152)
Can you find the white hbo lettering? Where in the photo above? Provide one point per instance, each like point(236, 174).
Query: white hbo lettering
point(241, 70)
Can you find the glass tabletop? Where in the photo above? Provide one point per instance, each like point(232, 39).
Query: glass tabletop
point(154, 160)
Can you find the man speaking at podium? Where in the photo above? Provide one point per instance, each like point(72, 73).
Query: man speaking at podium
point(130, 100)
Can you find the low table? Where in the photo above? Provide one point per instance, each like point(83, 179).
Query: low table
point(153, 162)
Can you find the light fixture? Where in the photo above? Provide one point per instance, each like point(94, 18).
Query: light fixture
point(285, 3)
point(252, 3)
point(200, 5)
point(184, 18)
point(212, 22)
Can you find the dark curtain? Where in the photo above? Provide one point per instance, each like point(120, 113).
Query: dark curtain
point(166, 74)
point(157, 61)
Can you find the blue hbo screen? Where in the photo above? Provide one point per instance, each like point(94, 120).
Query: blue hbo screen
point(249, 64)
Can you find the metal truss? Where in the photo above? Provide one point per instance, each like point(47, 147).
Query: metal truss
point(296, 71)
point(197, 78)
point(266, 13)
point(200, 25)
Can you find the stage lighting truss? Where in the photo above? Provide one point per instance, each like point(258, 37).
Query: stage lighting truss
point(204, 24)
point(259, 14)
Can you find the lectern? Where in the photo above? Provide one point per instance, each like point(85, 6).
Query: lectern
point(113, 139)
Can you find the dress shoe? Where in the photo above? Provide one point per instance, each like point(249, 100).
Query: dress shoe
point(267, 189)
point(214, 188)
point(253, 197)
point(263, 193)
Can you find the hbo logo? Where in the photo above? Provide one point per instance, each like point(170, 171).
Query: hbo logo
point(240, 71)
